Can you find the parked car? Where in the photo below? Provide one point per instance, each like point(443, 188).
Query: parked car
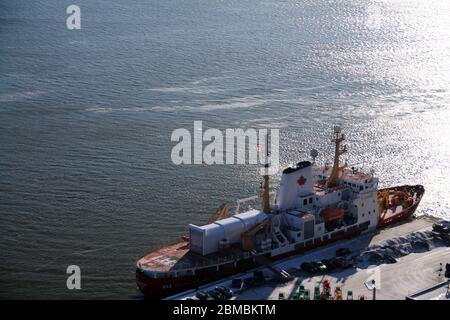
point(447, 270)
point(405, 249)
point(343, 263)
point(442, 226)
point(307, 267)
point(329, 263)
point(389, 259)
point(313, 267)
point(375, 257)
point(342, 252)
point(226, 292)
point(216, 294)
point(422, 244)
point(202, 295)
point(318, 266)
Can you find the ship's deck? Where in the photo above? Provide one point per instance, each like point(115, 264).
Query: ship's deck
point(346, 174)
point(395, 210)
point(177, 257)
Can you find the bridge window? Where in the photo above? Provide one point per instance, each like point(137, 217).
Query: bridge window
point(305, 201)
point(310, 200)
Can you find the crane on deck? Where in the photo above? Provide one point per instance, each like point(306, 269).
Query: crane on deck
point(248, 237)
point(221, 213)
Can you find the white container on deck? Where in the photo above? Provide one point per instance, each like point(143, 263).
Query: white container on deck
point(205, 239)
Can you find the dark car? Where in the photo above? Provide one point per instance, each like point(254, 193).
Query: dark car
point(342, 252)
point(419, 244)
point(442, 226)
point(338, 262)
point(216, 294)
point(329, 263)
point(202, 295)
point(318, 266)
point(226, 292)
point(389, 259)
point(307, 267)
point(447, 270)
point(343, 263)
point(313, 267)
point(375, 257)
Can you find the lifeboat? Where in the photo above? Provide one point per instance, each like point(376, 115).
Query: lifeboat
point(331, 214)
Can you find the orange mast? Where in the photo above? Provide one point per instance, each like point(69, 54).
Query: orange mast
point(338, 151)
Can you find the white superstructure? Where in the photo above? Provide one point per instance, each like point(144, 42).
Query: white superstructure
point(312, 204)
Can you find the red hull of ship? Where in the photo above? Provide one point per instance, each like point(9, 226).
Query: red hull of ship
point(404, 215)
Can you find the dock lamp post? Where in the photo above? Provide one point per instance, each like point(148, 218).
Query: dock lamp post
point(374, 290)
point(371, 286)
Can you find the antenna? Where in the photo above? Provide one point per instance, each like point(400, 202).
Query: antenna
point(265, 195)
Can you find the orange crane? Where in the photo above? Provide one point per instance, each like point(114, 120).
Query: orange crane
point(383, 202)
point(248, 237)
point(221, 213)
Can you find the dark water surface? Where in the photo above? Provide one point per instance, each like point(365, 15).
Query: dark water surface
point(86, 117)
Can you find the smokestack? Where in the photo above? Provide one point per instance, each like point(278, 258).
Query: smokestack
point(295, 181)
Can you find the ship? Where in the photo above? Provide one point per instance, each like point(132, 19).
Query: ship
point(314, 206)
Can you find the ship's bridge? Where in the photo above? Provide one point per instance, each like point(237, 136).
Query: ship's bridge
point(356, 179)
